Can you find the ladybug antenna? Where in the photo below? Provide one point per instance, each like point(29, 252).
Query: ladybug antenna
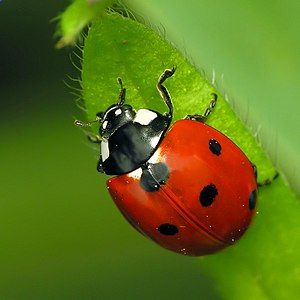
point(122, 92)
point(87, 124)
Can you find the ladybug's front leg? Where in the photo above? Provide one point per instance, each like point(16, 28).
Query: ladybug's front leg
point(203, 118)
point(100, 165)
point(93, 138)
point(163, 90)
point(97, 140)
point(268, 181)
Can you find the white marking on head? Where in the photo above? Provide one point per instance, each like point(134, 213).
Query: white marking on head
point(144, 116)
point(104, 150)
point(104, 124)
point(118, 111)
point(136, 174)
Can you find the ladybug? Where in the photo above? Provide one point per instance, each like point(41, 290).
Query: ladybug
point(187, 187)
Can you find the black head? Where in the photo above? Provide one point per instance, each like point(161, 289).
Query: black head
point(114, 117)
point(129, 138)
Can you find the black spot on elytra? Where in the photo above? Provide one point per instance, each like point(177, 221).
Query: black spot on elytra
point(153, 176)
point(252, 199)
point(167, 229)
point(215, 147)
point(208, 194)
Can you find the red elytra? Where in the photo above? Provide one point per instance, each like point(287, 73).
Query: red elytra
point(208, 200)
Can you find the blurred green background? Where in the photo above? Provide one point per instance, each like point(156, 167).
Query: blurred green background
point(61, 236)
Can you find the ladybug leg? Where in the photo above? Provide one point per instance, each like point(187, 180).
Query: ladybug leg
point(93, 138)
point(89, 123)
point(254, 170)
point(100, 165)
point(163, 90)
point(203, 118)
point(122, 92)
point(96, 139)
point(267, 181)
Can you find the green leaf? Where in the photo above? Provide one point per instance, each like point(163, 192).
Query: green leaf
point(262, 265)
point(78, 15)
